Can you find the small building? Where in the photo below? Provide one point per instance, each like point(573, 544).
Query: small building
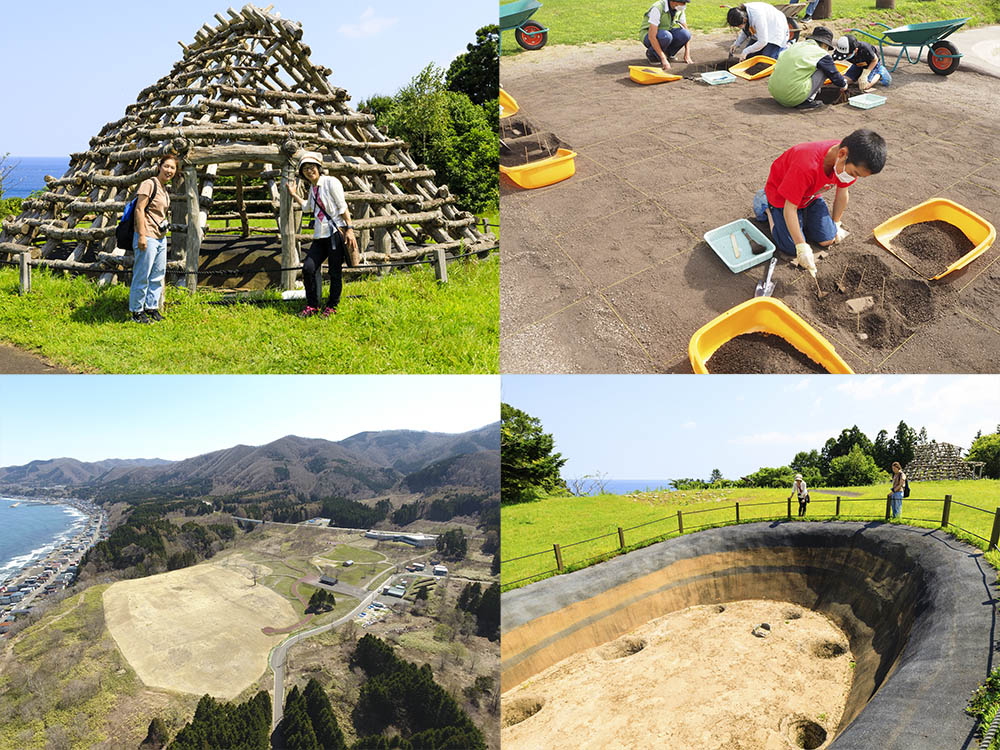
point(328, 581)
point(440, 570)
point(397, 591)
point(418, 566)
point(417, 540)
point(348, 563)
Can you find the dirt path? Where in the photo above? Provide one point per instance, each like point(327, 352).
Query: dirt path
point(693, 678)
point(14, 361)
point(608, 272)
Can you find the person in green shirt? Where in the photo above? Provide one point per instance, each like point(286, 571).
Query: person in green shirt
point(665, 32)
point(801, 70)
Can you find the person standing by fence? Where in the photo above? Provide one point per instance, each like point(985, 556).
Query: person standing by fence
point(898, 484)
point(149, 244)
point(800, 490)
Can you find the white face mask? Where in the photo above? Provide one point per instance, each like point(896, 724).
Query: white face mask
point(842, 176)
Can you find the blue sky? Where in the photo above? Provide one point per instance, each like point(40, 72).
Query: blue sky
point(91, 417)
point(73, 66)
point(665, 427)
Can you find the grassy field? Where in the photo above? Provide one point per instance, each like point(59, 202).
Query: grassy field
point(404, 322)
point(576, 22)
point(534, 527)
point(360, 555)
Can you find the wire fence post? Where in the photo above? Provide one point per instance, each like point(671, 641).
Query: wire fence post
point(995, 535)
point(946, 513)
point(737, 512)
point(621, 538)
point(789, 508)
point(680, 522)
point(440, 266)
point(888, 508)
point(24, 278)
point(838, 506)
point(555, 548)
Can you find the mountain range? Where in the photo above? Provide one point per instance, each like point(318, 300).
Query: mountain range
point(359, 467)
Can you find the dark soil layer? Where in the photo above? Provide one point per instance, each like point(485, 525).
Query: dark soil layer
point(757, 68)
point(901, 304)
point(529, 148)
point(830, 95)
point(760, 353)
point(933, 245)
point(515, 127)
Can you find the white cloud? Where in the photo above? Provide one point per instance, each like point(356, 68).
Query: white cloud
point(369, 25)
point(880, 386)
point(802, 384)
point(689, 425)
point(808, 439)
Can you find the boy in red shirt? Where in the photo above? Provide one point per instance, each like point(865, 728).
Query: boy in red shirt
point(791, 196)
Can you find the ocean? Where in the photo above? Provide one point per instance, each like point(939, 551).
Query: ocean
point(29, 532)
point(622, 486)
point(28, 173)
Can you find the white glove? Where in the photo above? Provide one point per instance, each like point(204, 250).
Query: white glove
point(804, 257)
point(842, 234)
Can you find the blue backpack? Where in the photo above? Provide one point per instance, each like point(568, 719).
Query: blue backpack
point(126, 227)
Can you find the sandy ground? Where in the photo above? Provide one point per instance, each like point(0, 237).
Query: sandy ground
point(608, 272)
point(701, 680)
point(196, 630)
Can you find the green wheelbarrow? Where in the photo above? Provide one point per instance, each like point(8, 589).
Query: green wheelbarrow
point(942, 56)
point(529, 34)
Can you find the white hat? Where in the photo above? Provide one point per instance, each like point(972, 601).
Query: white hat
point(798, 477)
point(843, 45)
point(310, 157)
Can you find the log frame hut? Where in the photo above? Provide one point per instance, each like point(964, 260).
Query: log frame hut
point(244, 101)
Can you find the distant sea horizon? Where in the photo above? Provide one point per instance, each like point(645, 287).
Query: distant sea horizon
point(28, 173)
point(29, 531)
point(621, 486)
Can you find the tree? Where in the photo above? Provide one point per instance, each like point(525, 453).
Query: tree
point(321, 601)
point(476, 73)
point(6, 167)
point(986, 448)
point(324, 723)
point(903, 444)
point(716, 476)
point(296, 729)
point(767, 476)
point(882, 451)
point(842, 444)
point(857, 468)
point(488, 613)
point(157, 737)
point(528, 465)
point(452, 544)
point(421, 594)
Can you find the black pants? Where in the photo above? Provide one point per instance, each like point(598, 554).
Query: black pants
point(324, 248)
point(802, 505)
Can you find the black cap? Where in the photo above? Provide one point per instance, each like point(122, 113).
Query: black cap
point(823, 35)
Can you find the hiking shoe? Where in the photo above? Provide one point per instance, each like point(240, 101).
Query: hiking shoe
point(140, 317)
point(327, 312)
point(810, 104)
point(653, 58)
point(308, 311)
point(155, 315)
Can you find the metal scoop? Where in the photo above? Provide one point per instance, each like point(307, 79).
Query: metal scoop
point(765, 288)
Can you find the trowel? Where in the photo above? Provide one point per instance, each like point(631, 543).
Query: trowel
point(765, 288)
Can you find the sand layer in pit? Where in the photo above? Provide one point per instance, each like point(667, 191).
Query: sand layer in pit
point(757, 68)
point(701, 679)
point(933, 245)
point(755, 353)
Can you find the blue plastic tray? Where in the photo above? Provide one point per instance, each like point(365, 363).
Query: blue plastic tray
point(866, 101)
point(718, 240)
point(715, 77)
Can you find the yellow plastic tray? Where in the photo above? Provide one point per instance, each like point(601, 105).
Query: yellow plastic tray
point(739, 69)
point(536, 174)
point(763, 315)
point(979, 231)
point(508, 106)
point(842, 66)
point(647, 74)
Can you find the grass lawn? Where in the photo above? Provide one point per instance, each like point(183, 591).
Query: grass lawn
point(576, 22)
point(534, 527)
point(377, 583)
point(403, 322)
point(360, 555)
point(359, 572)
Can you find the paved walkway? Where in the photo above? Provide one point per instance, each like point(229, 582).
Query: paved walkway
point(14, 361)
point(981, 49)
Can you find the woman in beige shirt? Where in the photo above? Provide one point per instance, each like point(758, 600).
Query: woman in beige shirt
point(898, 483)
point(149, 245)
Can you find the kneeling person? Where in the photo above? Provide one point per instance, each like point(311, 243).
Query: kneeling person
point(801, 70)
point(791, 199)
point(866, 67)
point(665, 32)
point(763, 29)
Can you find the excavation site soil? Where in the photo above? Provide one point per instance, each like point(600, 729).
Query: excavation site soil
point(747, 675)
point(607, 271)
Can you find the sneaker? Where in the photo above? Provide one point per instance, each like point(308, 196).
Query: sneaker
point(328, 311)
point(807, 18)
point(810, 104)
point(140, 317)
point(653, 58)
point(308, 312)
point(155, 315)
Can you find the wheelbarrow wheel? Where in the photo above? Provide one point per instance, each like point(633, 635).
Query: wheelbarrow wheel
point(530, 35)
point(943, 66)
point(793, 30)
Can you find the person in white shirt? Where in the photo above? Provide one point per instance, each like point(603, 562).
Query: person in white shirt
point(332, 230)
point(762, 25)
point(665, 32)
point(800, 490)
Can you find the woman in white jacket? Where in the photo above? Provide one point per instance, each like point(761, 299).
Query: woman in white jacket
point(332, 230)
point(763, 25)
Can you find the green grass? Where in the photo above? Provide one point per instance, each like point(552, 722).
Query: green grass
point(403, 322)
point(360, 555)
point(535, 527)
point(358, 572)
point(379, 581)
point(576, 22)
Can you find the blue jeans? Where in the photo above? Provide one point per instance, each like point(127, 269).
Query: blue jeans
point(670, 42)
point(897, 504)
point(148, 271)
point(771, 50)
point(811, 7)
point(814, 221)
point(854, 73)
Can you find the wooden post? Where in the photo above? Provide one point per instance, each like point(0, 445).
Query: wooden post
point(737, 512)
point(885, 4)
point(946, 513)
point(888, 507)
point(440, 266)
point(621, 538)
point(559, 564)
point(680, 522)
point(289, 254)
point(789, 507)
point(838, 506)
point(823, 10)
point(192, 243)
point(995, 535)
point(383, 244)
point(241, 207)
point(24, 278)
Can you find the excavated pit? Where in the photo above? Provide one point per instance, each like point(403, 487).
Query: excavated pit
point(914, 606)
